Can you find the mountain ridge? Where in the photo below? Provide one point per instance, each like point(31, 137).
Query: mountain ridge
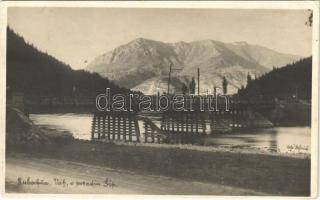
point(131, 64)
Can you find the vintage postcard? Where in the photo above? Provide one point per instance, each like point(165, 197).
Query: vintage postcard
point(160, 98)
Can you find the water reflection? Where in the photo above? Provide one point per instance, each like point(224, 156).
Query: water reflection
point(281, 139)
point(77, 124)
point(273, 140)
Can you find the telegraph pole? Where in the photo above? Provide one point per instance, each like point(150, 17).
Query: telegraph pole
point(169, 80)
point(198, 81)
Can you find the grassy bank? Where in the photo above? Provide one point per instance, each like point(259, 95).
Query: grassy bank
point(262, 173)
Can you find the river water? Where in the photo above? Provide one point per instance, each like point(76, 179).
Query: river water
point(281, 139)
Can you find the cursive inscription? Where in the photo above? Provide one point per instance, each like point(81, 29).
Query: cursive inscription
point(64, 182)
point(298, 148)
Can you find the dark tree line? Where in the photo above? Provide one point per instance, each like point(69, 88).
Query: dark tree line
point(189, 88)
point(36, 73)
point(290, 81)
point(310, 19)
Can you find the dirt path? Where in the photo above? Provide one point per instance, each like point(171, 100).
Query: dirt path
point(126, 182)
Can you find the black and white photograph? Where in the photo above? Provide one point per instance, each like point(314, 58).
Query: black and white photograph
point(154, 98)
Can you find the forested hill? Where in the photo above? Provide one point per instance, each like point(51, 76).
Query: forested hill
point(290, 81)
point(36, 73)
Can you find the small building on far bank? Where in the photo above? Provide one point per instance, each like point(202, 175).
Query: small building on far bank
point(16, 100)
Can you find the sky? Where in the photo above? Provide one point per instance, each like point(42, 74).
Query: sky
point(77, 35)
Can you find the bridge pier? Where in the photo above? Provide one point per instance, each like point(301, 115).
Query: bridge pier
point(115, 127)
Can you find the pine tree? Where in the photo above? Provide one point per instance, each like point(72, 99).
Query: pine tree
point(184, 89)
point(192, 86)
point(249, 79)
point(224, 85)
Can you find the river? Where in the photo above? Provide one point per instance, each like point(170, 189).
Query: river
point(281, 139)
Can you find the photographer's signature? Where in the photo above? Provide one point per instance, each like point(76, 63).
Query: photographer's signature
point(297, 148)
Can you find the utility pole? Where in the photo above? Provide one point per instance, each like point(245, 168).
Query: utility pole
point(169, 80)
point(198, 81)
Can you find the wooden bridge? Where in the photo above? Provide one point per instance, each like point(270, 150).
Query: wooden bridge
point(115, 126)
point(175, 127)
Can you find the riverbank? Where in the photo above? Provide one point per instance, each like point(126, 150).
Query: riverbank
point(81, 178)
point(31, 150)
point(261, 173)
point(278, 139)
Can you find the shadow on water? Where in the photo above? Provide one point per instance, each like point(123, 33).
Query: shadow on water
point(272, 139)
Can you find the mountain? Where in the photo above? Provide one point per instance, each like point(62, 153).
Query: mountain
point(143, 64)
point(37, 74)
